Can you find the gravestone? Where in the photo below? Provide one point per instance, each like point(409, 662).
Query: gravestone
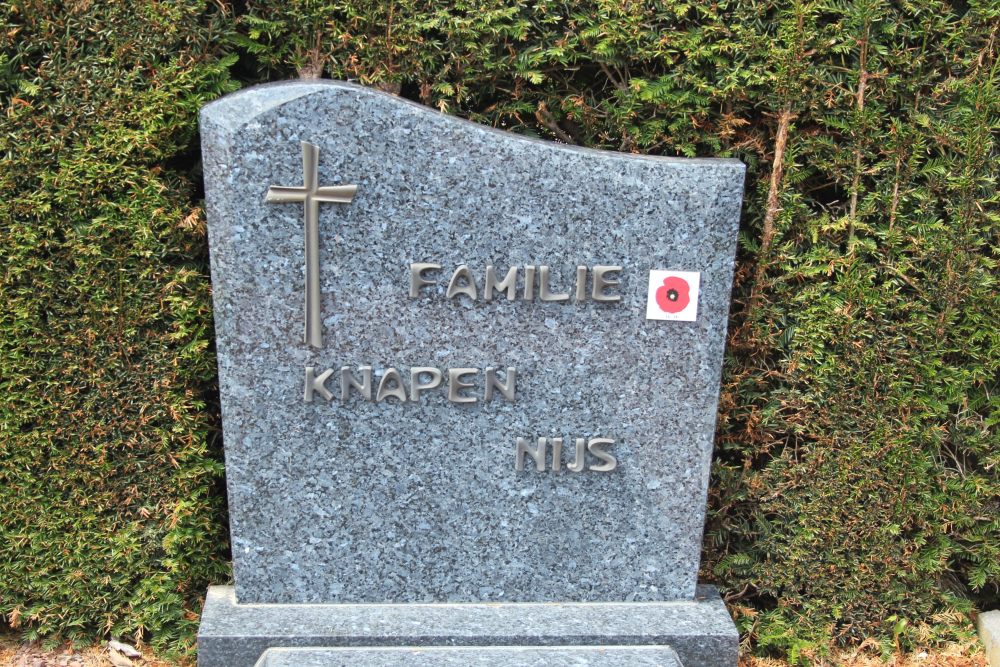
point(463, 374)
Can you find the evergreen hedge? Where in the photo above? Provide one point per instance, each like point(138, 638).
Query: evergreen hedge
point(111, 511)
point(856, 491)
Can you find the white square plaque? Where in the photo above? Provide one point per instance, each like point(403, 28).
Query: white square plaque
point(673, 295)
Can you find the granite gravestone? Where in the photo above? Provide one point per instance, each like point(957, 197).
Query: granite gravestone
point(460, 367)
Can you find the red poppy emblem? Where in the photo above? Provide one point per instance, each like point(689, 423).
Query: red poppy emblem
point(674, 296)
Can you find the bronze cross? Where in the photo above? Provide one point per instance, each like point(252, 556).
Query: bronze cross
point(311, 195)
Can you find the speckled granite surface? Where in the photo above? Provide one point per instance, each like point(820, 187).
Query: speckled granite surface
point(235, 635)
point(420, 502)
point(490, 656)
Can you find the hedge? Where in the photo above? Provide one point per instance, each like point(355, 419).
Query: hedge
point(111, 516)
point(856, 491)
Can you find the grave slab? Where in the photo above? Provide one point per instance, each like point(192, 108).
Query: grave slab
point(699, 630)
point(483, 656)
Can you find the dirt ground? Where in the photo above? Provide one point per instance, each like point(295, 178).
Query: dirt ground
point(16, 654)
point(951, 656)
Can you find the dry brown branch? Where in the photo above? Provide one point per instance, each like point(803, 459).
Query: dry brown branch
point(618, 83)
point(543, 116)
point(860, 101)
point(773, 204)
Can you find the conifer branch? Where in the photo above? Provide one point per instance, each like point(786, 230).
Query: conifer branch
point(773, 204)
point(860, 101)
point(543, 116)
point(894, 204)
point(618, 83)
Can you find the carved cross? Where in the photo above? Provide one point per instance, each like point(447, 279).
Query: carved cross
point(311, 195)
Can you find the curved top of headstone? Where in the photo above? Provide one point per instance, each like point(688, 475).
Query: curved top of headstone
point(239, 109)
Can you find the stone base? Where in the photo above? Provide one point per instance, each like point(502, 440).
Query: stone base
point(480, 656)
point(236, 635)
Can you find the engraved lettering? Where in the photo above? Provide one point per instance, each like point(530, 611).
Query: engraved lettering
point(609, 462)
point(348, 381)
point(581, 284)
point(455, 385)
point(391, 385)
point(601, 282)
point(409, 385)
point(529, 283)
point(556, 454)
point(416, 386)
point(536, 453)
point(455, 288)
point(506, 389)
point(578, 464)
point(604, 286)
point(417, 278)
point(543, 287)
point(315, 384)
point(595, 447)
point(509, 283)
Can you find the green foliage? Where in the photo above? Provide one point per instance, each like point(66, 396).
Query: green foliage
point(857, 477)
point(111, 518)
point(857, 484)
